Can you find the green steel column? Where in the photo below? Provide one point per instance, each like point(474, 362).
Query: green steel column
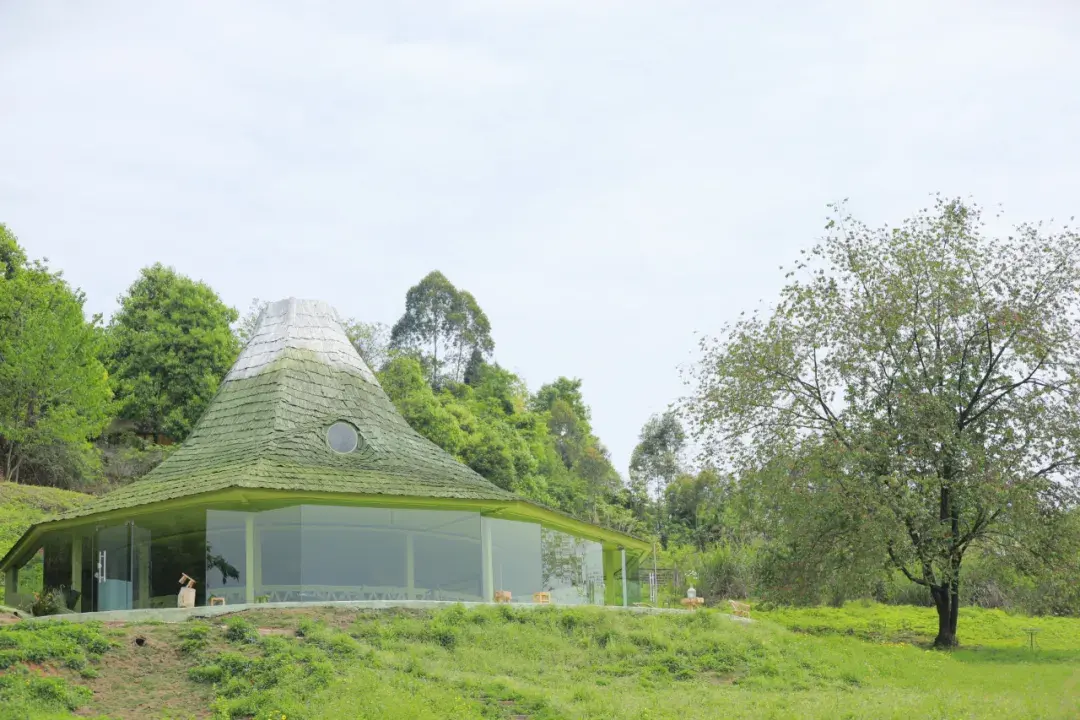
point(410, 567)
point(256, 569)
point(143, 550)
point(249, 558)
point(611, 577)
point(625, 598)
point(489, 561)
point(11, 585)
point(76, 569)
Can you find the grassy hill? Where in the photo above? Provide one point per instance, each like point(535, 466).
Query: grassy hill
point(504, 663)
point(23, 505)
point(861, 661)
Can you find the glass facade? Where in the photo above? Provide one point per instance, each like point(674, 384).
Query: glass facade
point(572, 568)
point(319, 553)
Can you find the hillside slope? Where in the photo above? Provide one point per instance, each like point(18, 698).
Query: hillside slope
point(23, 505)
point(503, 663)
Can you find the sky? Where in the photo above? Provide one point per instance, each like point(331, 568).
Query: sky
point(609, 178)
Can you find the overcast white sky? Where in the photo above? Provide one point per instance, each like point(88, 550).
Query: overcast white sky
point(605, 176)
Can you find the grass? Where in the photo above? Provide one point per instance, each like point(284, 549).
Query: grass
point(985, 629)
point(544, 664)
point(23, 505)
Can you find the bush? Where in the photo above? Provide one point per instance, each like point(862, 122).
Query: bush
point(194, 638)
point(49, 602)
point(239, 630)
point(725, 572)
point(24, 694)
point(73, 644)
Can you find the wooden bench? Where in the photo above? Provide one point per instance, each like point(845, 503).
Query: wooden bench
point(215, 600)
point(739, 609)
point(502, 596)
point(542, 598)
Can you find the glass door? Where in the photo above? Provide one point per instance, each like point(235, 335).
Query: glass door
point(113, 573)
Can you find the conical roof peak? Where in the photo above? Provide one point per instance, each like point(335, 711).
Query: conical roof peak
point(267, 427)
point(292, 324)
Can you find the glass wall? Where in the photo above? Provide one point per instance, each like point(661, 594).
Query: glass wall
point(318, 553)
point(517, 564)
point(226, 556)
point(572, 568)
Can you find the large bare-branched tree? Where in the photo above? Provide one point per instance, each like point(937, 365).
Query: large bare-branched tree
point(924, 379)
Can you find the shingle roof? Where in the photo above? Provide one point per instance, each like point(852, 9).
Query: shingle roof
point(266, 427)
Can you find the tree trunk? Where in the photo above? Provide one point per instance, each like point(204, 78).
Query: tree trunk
point(947, 602)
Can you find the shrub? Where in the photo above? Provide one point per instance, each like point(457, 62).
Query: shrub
point(238, 629)
point(49, 602)
point(194, 638)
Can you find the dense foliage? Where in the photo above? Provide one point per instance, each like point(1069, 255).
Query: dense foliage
point(444, 328)
point(170, 345)
point(54, 391)
point(913, 398)
point(903, 425)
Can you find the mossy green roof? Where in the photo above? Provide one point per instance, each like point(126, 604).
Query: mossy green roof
point(266, 427)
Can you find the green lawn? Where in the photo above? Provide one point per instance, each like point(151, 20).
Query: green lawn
point(544, 664)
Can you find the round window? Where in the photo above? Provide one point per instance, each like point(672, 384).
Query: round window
point(342, 437)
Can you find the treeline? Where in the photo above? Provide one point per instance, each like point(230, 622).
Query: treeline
point(436, 364)
point(903, 420)
point(86, 405)
point(90, 405)
point(902, 423)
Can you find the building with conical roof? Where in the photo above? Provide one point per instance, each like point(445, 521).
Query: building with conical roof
point(302, 483)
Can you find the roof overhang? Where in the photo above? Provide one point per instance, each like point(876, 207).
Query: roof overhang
point(510, 509)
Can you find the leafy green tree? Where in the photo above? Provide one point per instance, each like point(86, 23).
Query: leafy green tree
point(171, 345)
point(565, 389)
point(567, 416)
point(443, 326)
point(656, 461)
point(923, 381)
point(371, 340)
point(696, 507)
point(54, 392)
point(12, 256)
point(246, 325)
point(403, 381)
point(592, 480)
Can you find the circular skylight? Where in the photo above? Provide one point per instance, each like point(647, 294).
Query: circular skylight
point(342, 437)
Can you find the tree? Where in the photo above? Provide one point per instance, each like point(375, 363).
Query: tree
point(567, 416)
point(656, 461)
point(403, 381)
point(171, 345)
point(246, 326)
point(371, 340)
point(54, 392)
point(923, 382)
point(442, 326)
point(565, 389)
point(696, 507)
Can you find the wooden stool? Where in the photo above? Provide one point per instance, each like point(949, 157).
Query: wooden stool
point(217, 601)
point(542, 598)
point(739, 609)
point(692, 603)
point(502, 596)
